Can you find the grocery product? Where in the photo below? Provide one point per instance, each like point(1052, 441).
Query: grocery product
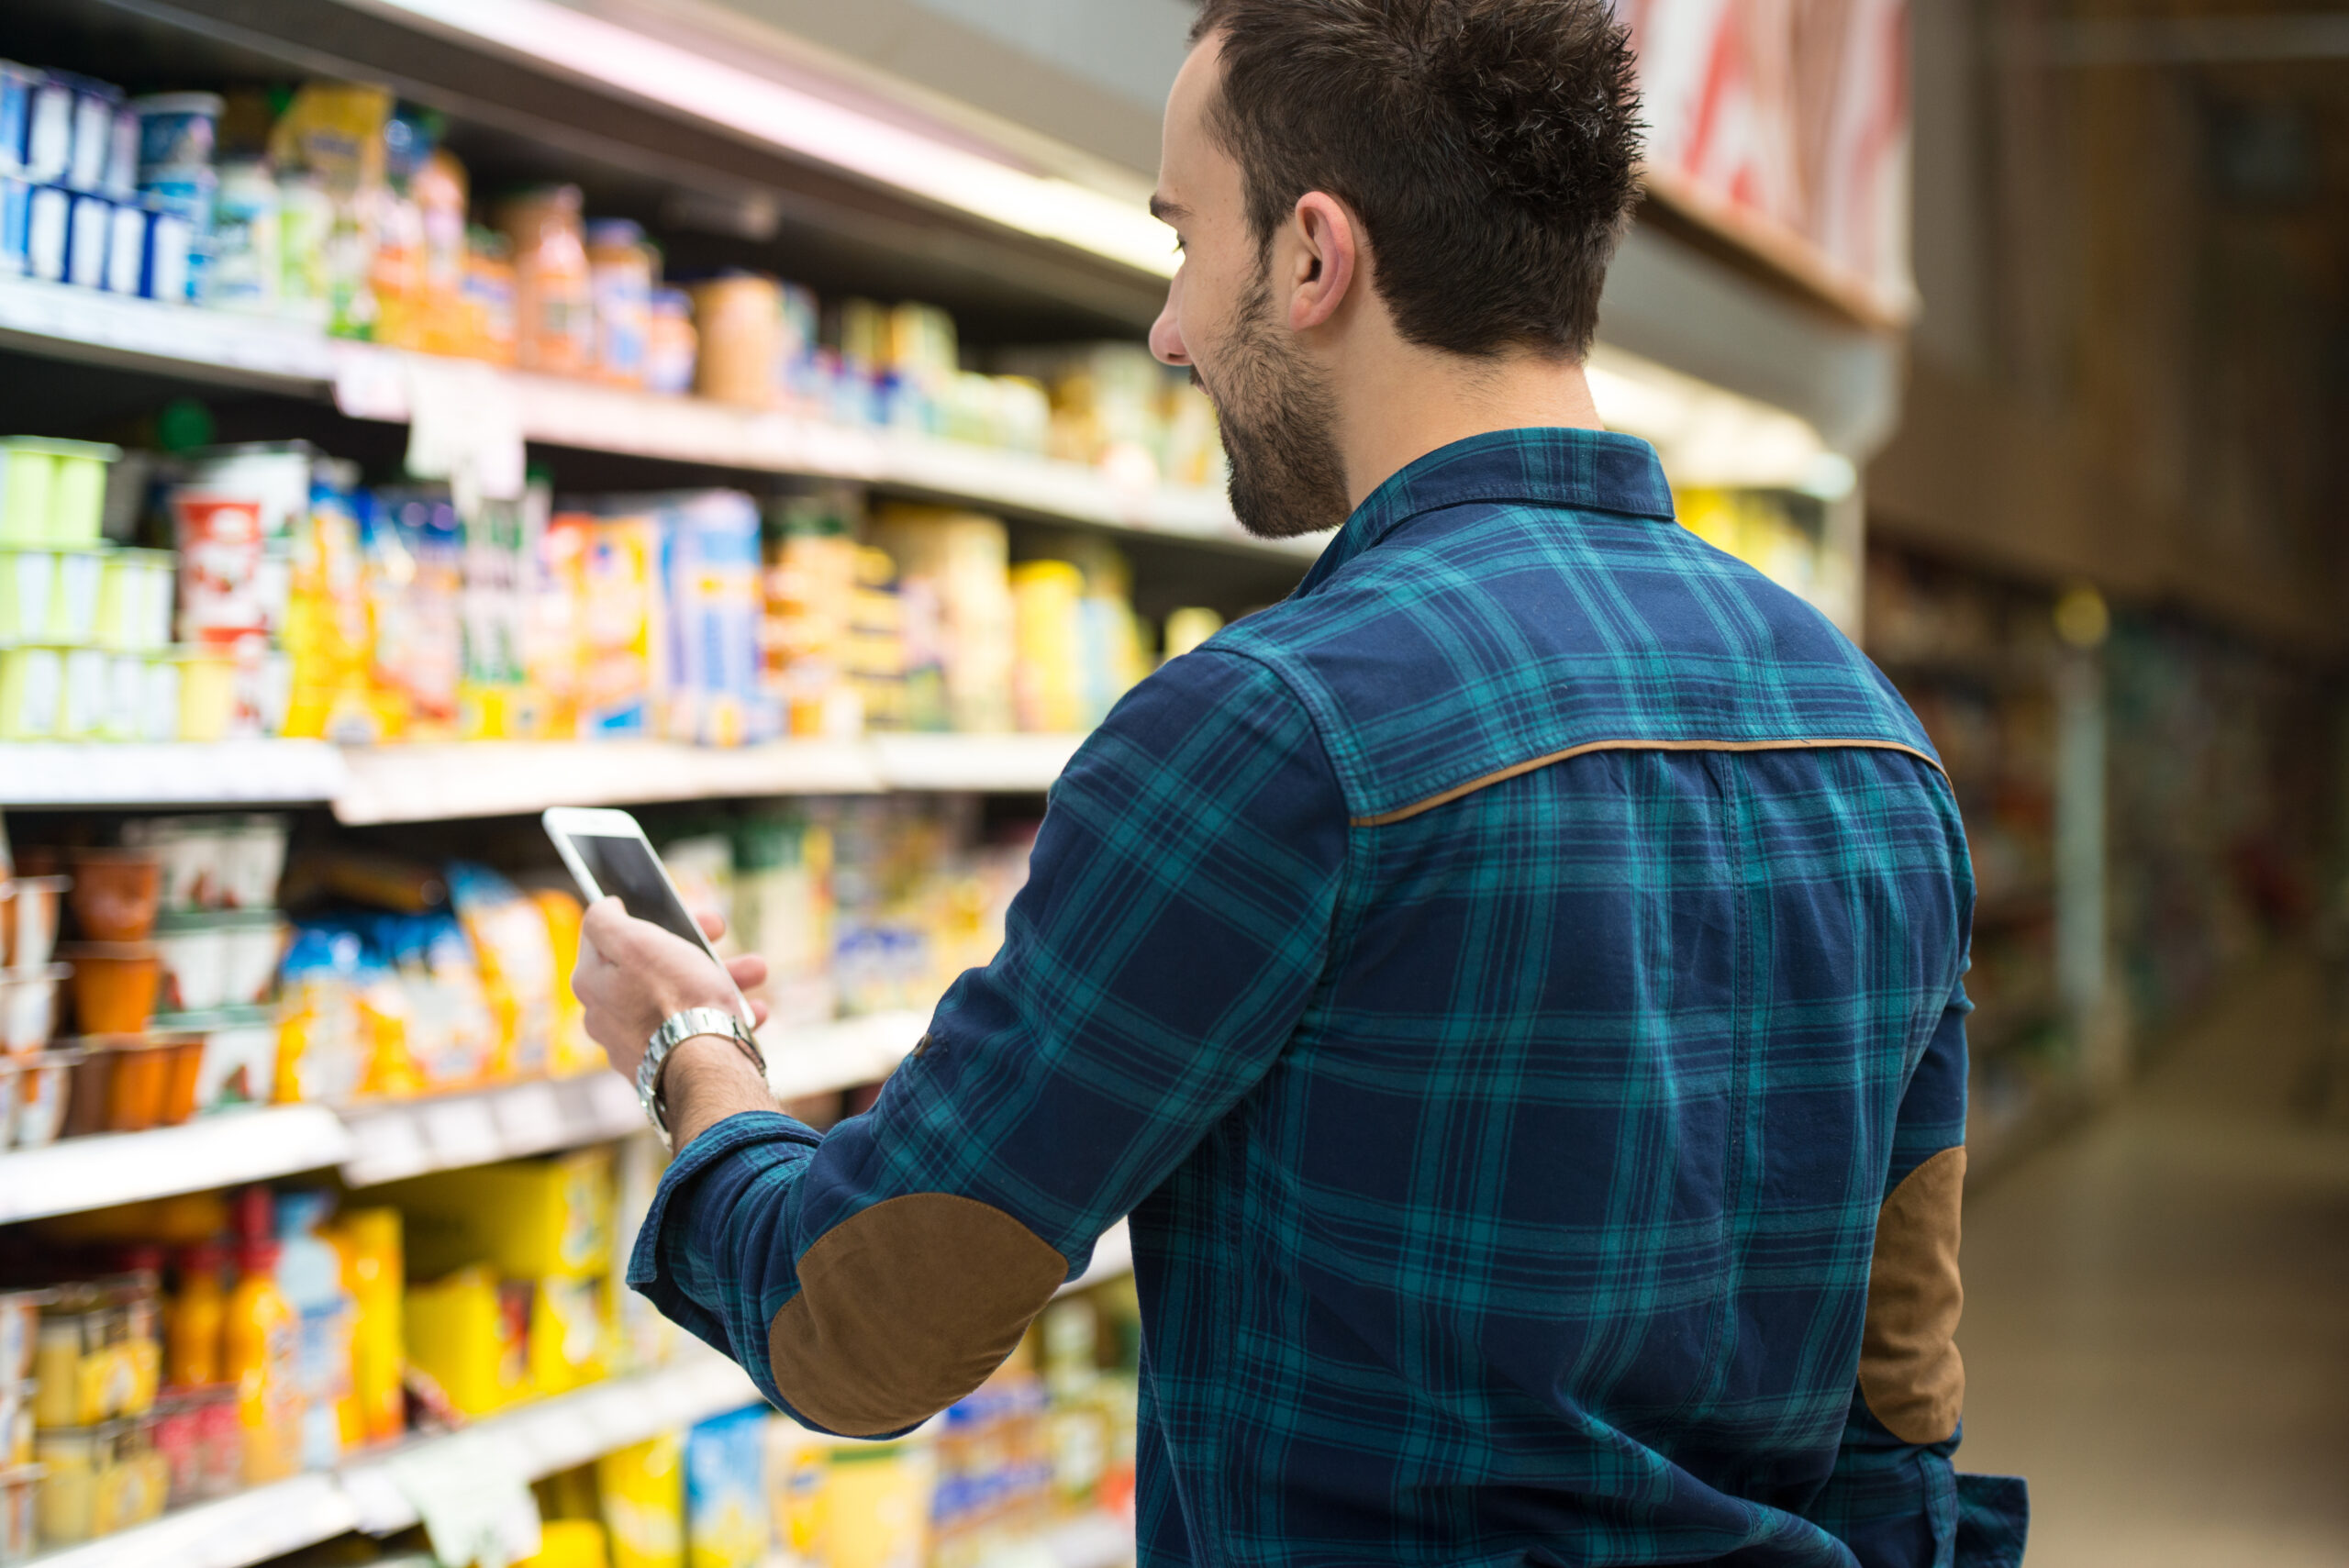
point(621, 271)
point(643, 1488)
point(373, 1275)
point(310, 1274)
point(741, 325)
point(114, 985)
point(29, 1008)
point(195, 1319)
point(726, 1521)
point(116, 893)
point(510, 940)
point(554, 305)
point(260, 1354)
point(466, 1336)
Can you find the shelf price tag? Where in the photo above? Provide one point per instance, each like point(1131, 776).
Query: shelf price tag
point(474, 1501)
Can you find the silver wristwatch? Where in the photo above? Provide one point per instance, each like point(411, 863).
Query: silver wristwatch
point(675, 1030)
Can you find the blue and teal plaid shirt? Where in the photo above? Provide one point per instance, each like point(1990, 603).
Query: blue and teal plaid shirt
point(1502, 984)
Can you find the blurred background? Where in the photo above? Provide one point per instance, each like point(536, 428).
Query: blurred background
point(420, 413)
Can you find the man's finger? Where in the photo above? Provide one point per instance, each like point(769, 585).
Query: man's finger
point(713, 924)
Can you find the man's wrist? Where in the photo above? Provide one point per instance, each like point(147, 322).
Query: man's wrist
point(708, 1079)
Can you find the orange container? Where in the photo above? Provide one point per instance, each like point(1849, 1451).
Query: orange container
point(116, 893)
point(115, 986)
point(140, 1083)
point(186, 1051)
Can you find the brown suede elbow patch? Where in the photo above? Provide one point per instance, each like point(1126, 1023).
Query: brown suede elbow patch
point(1910, 1371)
point(907, 1308)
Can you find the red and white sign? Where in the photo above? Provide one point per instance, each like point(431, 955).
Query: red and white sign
point(1786, 122)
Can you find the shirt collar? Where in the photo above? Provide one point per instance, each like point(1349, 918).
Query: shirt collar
point(1590, 471)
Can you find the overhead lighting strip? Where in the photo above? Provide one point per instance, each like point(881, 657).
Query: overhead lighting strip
point(802, 123)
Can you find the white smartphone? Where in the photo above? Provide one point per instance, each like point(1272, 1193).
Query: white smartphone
point(608, 853)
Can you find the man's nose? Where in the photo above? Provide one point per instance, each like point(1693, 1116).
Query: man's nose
point(1166, 334)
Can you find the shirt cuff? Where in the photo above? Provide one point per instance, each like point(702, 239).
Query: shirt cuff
point(769, 1139)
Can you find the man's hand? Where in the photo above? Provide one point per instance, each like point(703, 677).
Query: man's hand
point(632, 976)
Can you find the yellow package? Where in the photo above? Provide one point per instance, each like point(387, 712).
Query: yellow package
point(570, 1053)
point(530, 1219)
point(464, 1337)
point(570, 1544)
point(334, 130)
point(518, 966)
point(569, 1340)
point(643, 1489)
point(372, 1271)
point(877, 1506)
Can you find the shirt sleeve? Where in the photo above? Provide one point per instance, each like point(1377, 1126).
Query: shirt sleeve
point(1175, 923)
point(1895, 1496)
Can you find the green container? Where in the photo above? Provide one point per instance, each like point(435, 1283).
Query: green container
point(32, 689)
point(28, 585)
point(53, 492)
point(74, 608)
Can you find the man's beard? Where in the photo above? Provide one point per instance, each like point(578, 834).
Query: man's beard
point(1276, 419)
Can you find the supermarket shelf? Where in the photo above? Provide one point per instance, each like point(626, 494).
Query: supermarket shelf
point(374, 785)
point(570, 1429)
point(374, 384)
point(213, 1151)
point(391, 1142)
point(550, 1435)
point(61, 321)
point(229, 772)
point(820, 1058)
point(499, 778)
point(250, 1527)
point(999, 763)
point(1095, 1541)
point(388, 1142)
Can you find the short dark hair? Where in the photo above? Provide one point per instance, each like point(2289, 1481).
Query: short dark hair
point(1491, 148)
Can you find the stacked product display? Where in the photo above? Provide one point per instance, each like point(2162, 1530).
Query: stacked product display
point(177, 1351)
point(305, 604)
point(336, 206)
point(165, 992)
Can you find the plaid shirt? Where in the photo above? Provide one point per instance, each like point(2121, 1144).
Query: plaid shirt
point(1501, 983)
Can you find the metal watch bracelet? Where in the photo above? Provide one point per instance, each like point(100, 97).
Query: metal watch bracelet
point(675, 1030)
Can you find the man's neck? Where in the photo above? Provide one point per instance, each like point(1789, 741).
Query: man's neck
point(1401, 403)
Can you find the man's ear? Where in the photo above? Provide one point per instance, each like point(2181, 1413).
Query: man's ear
point(1327, 252)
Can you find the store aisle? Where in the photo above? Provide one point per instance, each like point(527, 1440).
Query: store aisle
point(2157, 1324)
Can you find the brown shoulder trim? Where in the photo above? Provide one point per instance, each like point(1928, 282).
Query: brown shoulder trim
point(1473, 785)
point(904, 1309)
point(1910, 1373)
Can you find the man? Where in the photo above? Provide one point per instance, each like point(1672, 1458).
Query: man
point(1512, 984)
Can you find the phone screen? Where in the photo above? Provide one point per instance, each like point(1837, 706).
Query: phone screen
point(627, 867)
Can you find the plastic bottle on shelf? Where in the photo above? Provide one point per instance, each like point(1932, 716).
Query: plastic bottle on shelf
point(261, 1349)
point(369, 1239)
point(198, 1314)
point(309, 1276)
point(554, 306)
point(621, 268)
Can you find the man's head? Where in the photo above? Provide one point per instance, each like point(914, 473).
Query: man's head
point(1451, 177)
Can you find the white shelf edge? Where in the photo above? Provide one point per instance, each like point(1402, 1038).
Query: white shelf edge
point(217, 1150)
point(506, 778)
point(228, 1532)
point(395, 1139)
point(35, 774)
point(389, 1140)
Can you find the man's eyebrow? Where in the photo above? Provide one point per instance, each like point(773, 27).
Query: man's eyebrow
point(1166, 211)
